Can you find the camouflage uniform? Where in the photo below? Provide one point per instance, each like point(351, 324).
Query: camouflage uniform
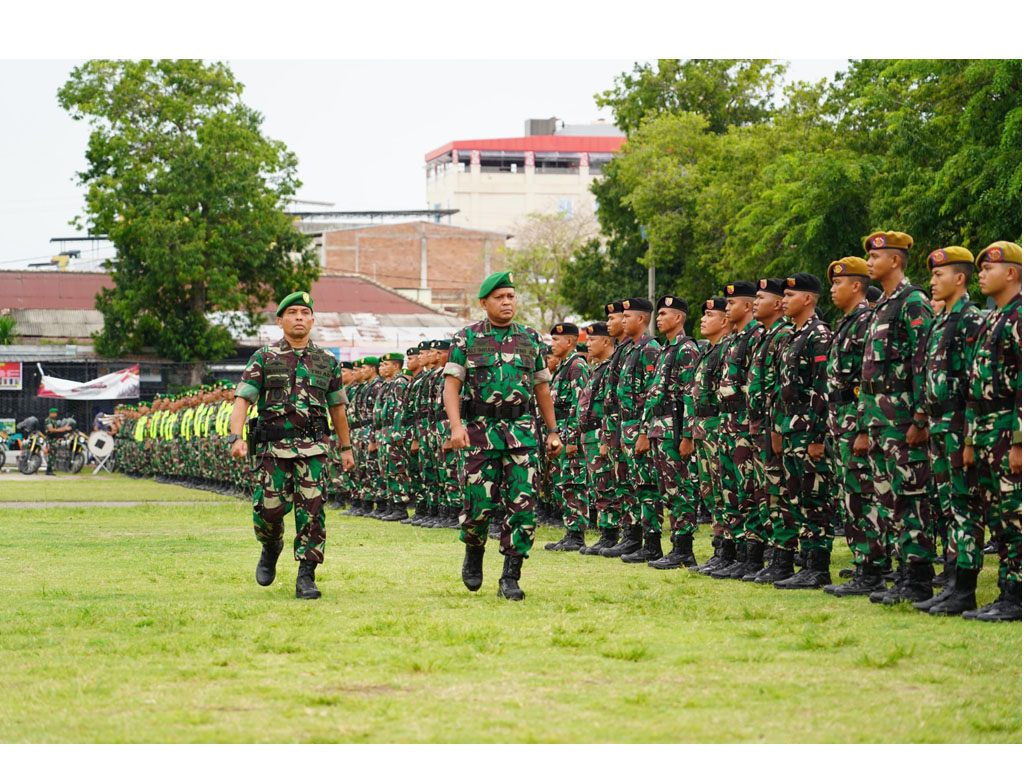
point(569, 476)
point(589, 411)
point(664, 410)
point(611, 433)
point(993, 426)
point(635, 379)
point(861, 521)
point(499, 367)
point(960, 519)
point(292, 390)
point(701, 424)
point(892, 390)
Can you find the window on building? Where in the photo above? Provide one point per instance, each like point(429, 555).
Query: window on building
point(496, 161)
point(556, 162)
point(598, 160)
point(565, 206)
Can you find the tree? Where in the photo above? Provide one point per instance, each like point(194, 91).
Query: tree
point(189, 191)
point(543, 246)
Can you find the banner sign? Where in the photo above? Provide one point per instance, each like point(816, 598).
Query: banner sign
point(120, 385)
point(10, 376)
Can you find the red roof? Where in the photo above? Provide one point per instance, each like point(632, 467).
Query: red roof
point(77, 290)
point(551, 143)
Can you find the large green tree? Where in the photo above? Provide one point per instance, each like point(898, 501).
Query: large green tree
point(190, 192)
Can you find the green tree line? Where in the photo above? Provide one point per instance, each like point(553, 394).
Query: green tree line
point(728, 174)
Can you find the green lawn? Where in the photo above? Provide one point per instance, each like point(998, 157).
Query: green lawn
point(145, 624)
point(93, 488)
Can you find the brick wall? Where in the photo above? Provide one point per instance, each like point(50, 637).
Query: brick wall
point(391, 254)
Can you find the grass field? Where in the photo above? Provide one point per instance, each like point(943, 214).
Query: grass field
point(145, 624)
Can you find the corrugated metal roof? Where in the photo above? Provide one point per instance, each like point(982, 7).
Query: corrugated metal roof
point(57, 324)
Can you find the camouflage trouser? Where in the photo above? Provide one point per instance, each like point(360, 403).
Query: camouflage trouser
point(622, 488)
point(1000, 494)
point(499, 484)
point(900, 476)
point(960, 515)
point(396, 466)
point(710, 475)
point(736, 452)
point(284, 485)
point(451, 466)
point(676, 484)
point(569, 490)
point(862, 522)
point(806, 484)
point(641, 502)
point(768, 484)
point(599, 482)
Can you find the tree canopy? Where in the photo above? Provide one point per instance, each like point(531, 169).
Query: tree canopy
point(729, 185)
point(190, 192)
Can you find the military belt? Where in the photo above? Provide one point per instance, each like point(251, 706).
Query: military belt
point(562, 412)
point(470, 408)
point(664, 409)
point(795, 409)
point(732, 406)
point(268, 433)
point(985, 407)
point(706, 411)
point(873, 388)
point(945, 406)
point(590, 426)
point(843, 396)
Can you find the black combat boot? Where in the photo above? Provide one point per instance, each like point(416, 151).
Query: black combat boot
point(1005, 608)
point(436, 517)
point(508, 584)
point(266, 568)
point(651, 550)
point(770, 552)
point(755, 561)
point(867, 580)
point(609, 536)
point(305, 584)
point(917, 586)
point(956, 597)
point(899, 580)
point(727, 569)
point(473, 568)
point(450, 516)
point(631, 541)
point(726, 557)
point(800, 558)
point(813, 576)
point(557, 545)
point(681, 554)
point(713, 561)
point(781, 568)
point(948, 572)
point(421, 507)
point(574, 542)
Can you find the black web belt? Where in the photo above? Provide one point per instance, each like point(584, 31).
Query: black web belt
point(985, 407)
point(469, 409)
point(269, 433)
point(873, 388)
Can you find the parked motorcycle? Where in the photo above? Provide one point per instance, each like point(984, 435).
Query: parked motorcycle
point(33, 445)
point(4, 437)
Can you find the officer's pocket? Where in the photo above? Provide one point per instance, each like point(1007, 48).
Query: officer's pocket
point(277, 385)
point(480, 366)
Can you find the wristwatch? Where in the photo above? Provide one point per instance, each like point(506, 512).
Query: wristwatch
point(232, 437)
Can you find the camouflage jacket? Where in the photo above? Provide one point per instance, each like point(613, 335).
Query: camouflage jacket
point(737, 355)
point(761, 378)
point(892, 375)
point(704, 413)
point(802, 402)
point(611, 420)
point(843, 367)
point(636, 377)
point(994, 396)
point(567, 384)
point(291, 388)
point(589, 409)
point(387, 409)
point(499, 368)
point(950, 342)
point(671, 388)
point(414, 420)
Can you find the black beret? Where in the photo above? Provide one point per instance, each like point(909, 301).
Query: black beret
point(774, 285)
point(613, 307)
point(717, 303)
point(597, 329)
point(673, 302)
point(638, 304)
point(873, 293)
point(804, 281)
point(441, 344)
point(741, 289)
point(564, 329)
point(412, 351)
point(346, 365)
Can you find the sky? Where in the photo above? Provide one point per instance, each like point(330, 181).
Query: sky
point(360, 130)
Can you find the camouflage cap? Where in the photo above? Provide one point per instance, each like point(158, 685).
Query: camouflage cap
point(494, 282)
point(890, 239)
point(848, 265)
point(300, 298)
point(1001, 251)
point(954, 254)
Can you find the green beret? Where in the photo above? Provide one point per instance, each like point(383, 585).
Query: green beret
point(495, 281)
point(441, 344)
point(300, 298)
point(395, 357)
point(371, 360)
point(226, 382)
point(425, 344)
point(346, 365)
point(53, 410)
